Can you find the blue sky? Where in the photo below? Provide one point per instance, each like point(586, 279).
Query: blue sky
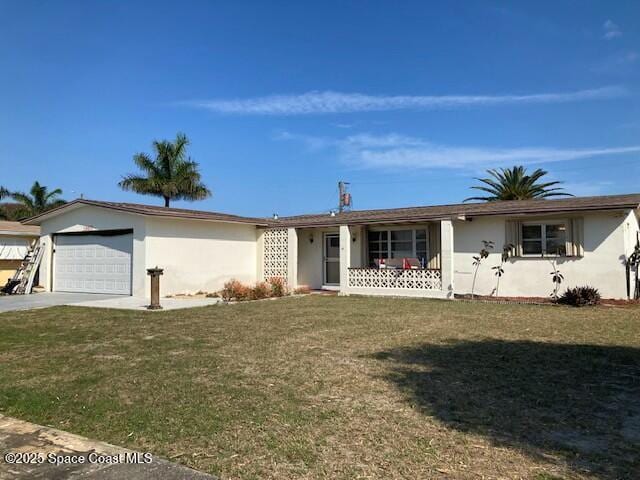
point(409, 101)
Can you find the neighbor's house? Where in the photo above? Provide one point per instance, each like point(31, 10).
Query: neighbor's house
point(15, 239)
point(106, 247)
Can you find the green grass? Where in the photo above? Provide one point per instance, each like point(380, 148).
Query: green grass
point(338, 387)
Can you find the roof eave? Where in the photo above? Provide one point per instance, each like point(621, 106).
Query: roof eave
point(17, 233)
point(336, 221)
point(36, 220)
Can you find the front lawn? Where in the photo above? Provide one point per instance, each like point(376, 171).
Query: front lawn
point(339, 387)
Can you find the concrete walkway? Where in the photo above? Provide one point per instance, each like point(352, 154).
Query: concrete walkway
point(137, 303)
point(46, 446)
point(10, 303)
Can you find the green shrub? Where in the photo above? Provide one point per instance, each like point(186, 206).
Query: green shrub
point(234, 290)
point(278, 286)
point(580, 296)
point(261, 290)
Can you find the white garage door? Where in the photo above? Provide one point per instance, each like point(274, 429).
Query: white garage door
point(93, 263)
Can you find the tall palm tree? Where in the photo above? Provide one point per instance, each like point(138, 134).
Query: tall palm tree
point(171, 175)
point(516, 184)
point(39, 200)
point(3, 193)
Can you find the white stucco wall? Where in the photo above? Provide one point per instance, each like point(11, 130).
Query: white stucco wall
point(198, 255)
point(87, 217)
point(601, 267)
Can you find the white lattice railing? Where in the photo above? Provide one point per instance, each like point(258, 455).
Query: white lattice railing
point(419, 279)
point(275, 262)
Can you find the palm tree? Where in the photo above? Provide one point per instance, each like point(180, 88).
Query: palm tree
point(172, 175)
point(3, 193)
point(516, 184)
point(39, 200)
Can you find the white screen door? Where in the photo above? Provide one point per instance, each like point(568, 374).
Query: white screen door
point(331, 259)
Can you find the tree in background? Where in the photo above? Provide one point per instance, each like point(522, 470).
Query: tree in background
point(515, 184)
point(171, 175)
point(3, 193)
point(38, 200)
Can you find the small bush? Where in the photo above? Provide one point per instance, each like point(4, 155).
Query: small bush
point(261, 290)
point(234, 290)
point(213, 295)
point(302, 290)
point(580, 297)
point(278, 286)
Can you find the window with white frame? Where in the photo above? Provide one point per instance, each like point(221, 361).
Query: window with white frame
point(397, 243)
point(546, 238)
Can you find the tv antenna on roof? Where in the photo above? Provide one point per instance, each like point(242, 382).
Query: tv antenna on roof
point(344, 202)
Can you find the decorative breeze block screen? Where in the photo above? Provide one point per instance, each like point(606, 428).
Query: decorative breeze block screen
point(276, 245)
point(390, 278)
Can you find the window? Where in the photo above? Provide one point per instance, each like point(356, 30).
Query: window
point(378, 246)
point(401, 243)
point(398, 244)
point(544, 239)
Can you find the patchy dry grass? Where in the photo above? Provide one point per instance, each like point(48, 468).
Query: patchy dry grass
point(335, 387)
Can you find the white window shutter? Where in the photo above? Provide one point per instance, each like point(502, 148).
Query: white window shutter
point(513, 236)
point(575, 237)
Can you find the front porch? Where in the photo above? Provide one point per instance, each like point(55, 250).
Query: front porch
point(394, 260)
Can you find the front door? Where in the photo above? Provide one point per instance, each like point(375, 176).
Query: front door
point(331, 259)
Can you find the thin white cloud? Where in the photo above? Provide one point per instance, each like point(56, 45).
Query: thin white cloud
point(335, 102)
point(611, 30)
point(398, 151)
point(587, 189)
point(618, 63)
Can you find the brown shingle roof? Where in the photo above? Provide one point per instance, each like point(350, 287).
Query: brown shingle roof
point(409, 214)
point(414, 214)
point(150, 210)
point(18, 228)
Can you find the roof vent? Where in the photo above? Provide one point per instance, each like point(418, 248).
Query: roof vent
point(332, 213)
point(275, 216)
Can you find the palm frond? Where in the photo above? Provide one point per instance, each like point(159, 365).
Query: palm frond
point(483, 199)
point(171, 175)
point(23, 199)
point(516, 184)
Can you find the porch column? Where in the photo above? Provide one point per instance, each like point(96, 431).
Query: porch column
point(292, 258)
point(345, 258)
point(446, 257)
point(46, 267)
point(260, 255)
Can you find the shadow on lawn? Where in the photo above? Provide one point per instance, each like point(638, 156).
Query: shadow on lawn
point(581, 402)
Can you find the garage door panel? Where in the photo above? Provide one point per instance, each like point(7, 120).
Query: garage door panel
point(93, 264)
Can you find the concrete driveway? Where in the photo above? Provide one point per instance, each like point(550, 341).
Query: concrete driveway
point(9, 303)
point(51, 299)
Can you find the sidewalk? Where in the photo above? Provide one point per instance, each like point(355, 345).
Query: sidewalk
point(48, 445)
